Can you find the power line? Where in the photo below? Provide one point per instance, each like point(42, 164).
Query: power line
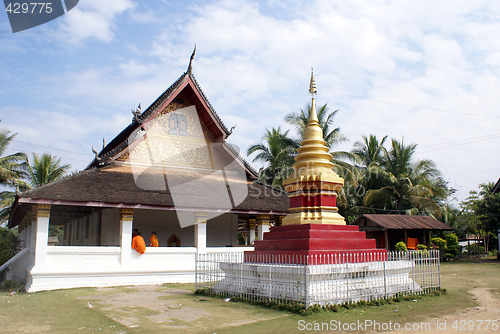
point(411, 106)
point(470, 142)
point(459, 140)
point(62, 157)
point(50, 148)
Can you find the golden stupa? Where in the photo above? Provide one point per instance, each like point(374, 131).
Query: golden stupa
point(313, 185)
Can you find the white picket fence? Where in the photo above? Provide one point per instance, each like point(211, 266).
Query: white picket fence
point(319, 280)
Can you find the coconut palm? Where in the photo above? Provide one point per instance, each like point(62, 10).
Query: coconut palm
point(370, 150)
point(45, 169)
point(42, 170)
point(277, 151)
point(12, 167)
point(331, 136)
point(408, 186)
point(12, 172)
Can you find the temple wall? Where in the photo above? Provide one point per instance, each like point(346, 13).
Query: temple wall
point(85, 231)
point(110, 227)
point(221, 230)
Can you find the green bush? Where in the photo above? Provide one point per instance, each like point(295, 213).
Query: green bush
point(401, 246)
point(10, 244)
point(452, 246)
point(438, 243)
point(421, 247)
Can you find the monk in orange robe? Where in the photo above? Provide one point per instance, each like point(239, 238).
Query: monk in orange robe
point(153, 241)
point(138, 242)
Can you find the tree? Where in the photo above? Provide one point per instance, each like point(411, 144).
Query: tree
point(277, 151)
point(325, 120)
point(12, 172)
point(481, 213)
point(12, 167)
point(370, 154)
point(9, 245)
point(331, 136)
point(45, 169)
point(408, 186)
point(370, 150)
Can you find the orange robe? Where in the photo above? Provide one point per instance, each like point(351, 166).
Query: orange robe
point(138, 244)
point(154, 241)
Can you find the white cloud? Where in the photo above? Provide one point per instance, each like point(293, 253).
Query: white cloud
point(92, 19)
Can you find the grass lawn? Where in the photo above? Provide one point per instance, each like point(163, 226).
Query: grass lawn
point(173, 308)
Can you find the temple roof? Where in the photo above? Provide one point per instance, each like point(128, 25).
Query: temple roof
point(116, 186)
point(187, 85)
point(399, 222)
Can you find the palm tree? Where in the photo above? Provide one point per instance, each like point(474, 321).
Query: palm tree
point(12, 167)
point(12, 172)
point(45, 169)
point(331, 136)
point(325, 120)
point(408, 186)
point(370, 150)
point(277, 151)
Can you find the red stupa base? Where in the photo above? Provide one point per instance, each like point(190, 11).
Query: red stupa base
point(315, 244)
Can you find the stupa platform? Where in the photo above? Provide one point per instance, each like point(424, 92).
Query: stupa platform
point(315, 244)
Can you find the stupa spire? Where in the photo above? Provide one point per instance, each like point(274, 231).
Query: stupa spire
point(313, 185)
point(313, 91)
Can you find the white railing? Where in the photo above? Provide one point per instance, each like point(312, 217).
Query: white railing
point(318, 279)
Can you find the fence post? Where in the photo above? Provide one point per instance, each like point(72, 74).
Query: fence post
point(195, 272)
point(385, 281)
point(306, 280)
point(439, 269)
point(347, 278)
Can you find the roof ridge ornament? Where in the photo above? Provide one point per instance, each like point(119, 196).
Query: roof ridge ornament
point(137, 114)
point(190, 68)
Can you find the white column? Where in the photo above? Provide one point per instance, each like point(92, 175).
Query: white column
point(126, 221)
point(42, 233)
point(263, 225)
point(32, 233)
point(251, 231)
point(200, 231)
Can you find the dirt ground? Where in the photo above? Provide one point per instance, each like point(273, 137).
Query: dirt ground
point(471, 320)
point(170, 308)
point(119, 305)
point(124, 307)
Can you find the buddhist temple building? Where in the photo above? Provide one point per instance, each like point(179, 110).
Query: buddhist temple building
point(172, 171)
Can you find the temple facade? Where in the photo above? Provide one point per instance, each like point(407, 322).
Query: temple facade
point(170, 171)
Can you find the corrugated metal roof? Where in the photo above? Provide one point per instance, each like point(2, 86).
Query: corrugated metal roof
point(395, 222)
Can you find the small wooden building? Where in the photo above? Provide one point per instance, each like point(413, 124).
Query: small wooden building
point(388, 230)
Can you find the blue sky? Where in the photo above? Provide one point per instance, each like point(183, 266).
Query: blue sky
point(425, 71)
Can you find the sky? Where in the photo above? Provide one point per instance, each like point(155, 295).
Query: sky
point(426, 72)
